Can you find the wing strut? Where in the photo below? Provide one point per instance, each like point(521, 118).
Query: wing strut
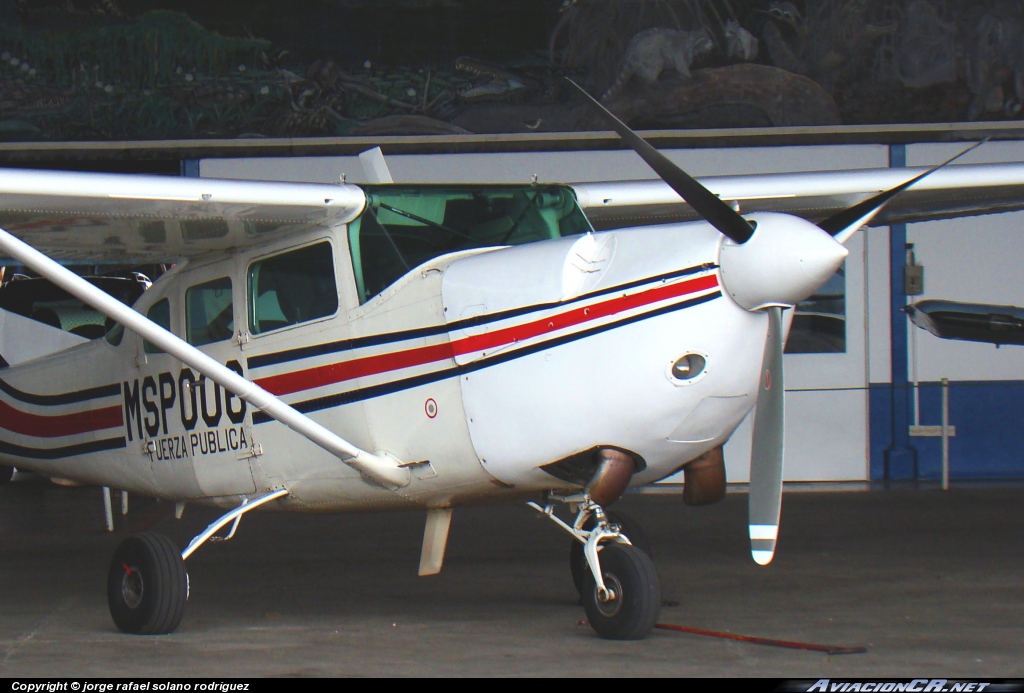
point(377, 468)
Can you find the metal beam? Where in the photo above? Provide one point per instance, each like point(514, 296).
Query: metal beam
point(146, 152)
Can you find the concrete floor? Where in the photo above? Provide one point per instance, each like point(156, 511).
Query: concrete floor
point(930, 582)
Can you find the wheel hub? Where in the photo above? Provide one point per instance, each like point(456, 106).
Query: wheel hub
point(608, 601)
point(132, 587)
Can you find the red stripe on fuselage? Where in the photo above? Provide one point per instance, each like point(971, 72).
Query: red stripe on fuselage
point(38, 426)
point(310, 378)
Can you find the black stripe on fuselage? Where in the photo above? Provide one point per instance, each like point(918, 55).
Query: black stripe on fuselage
point(433, 330)
point(365, 393)
point(59, 453)
point(63, 398)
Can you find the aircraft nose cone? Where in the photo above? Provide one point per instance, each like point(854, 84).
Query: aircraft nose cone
point(783, 263)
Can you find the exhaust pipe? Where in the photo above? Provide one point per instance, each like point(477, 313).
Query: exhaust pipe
point(704, 478)
point(614, 471)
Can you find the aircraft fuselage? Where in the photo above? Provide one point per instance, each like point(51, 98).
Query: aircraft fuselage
point(482, 368)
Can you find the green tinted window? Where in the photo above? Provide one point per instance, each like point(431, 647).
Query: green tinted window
point(403, 227)
point(160, 313)
point(292, 288)
point(209, 313)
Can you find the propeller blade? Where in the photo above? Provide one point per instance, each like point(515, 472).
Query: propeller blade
point(708, 205)
point(861, 213)
point(766, 450)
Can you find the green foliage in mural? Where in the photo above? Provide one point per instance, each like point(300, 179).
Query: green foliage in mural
point(152, 52)
point(162, 76)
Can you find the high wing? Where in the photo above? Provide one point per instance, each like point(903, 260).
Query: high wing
point(133, 219)
point(952, 192)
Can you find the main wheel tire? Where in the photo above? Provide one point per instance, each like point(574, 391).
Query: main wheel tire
point(578, 560)
point(634, 609)
point(6, 473)
point(147, 585)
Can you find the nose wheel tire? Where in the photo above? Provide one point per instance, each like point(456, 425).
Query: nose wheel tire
point(6, 473)
point(578, 561)
point(631, 607)
point(147, 585)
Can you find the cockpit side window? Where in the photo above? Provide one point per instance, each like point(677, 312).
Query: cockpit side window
point(403, 227)
point(209, 312)
point(292, 288)
point(160, 313)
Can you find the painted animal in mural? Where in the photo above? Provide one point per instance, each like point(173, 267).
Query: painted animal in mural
point(784, 36)
point(740, 44)
point(495, 82)
point(994, 56)
point(847, 34)
point(824, 42)
point(929, 50)
point(651, 51)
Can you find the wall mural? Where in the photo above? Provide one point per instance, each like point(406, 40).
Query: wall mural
point(74, 70)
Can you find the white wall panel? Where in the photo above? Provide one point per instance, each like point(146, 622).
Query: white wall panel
point(826, 438)
point(549, 166)
point(975, 260)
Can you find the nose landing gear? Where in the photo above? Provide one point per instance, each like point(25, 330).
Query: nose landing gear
point(627, 607)
point(625, 526)
point(617, 581)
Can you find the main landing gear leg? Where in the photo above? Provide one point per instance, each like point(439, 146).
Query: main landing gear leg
point(619, 586)
point(147, 586)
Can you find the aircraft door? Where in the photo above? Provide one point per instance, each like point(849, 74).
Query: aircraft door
point(201, 423)
point(149, 424)
point(220, 435)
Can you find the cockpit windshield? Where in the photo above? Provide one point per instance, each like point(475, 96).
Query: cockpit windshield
point(404, 226)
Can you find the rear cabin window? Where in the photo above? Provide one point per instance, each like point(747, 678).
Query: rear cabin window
point(209, 312)
point(292, 288)
point(47, 303)
point(403, 227)
point(160, 313)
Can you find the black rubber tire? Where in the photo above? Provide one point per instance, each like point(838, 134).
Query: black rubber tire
point(633, 612)
point(147, 585)
point(630, 527)
point(6, 474)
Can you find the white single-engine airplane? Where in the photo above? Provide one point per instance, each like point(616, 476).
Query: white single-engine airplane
point(348, 348)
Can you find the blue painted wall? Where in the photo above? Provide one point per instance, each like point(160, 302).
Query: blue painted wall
point(989, 420)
